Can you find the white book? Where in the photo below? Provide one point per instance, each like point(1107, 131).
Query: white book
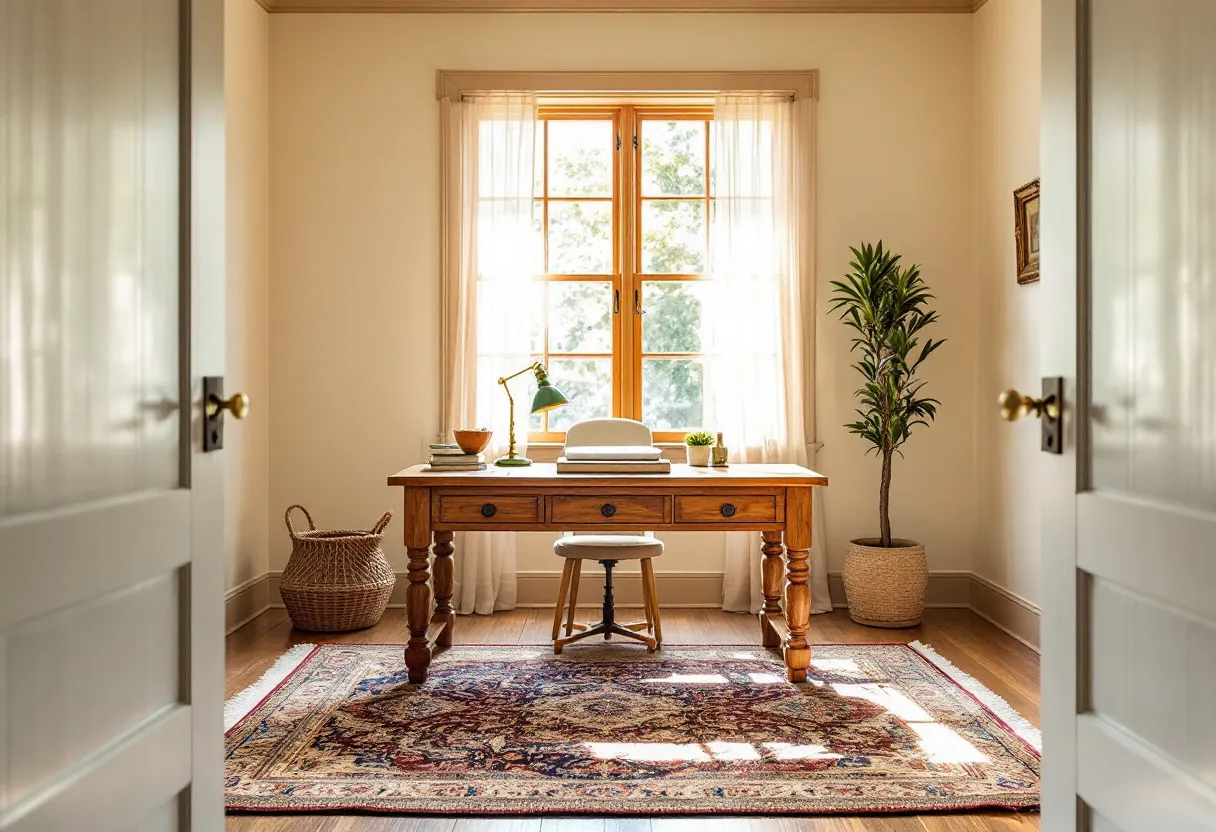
point(613, 466)
point(612, 452)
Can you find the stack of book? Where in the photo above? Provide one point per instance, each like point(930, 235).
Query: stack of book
point(451, 458)
point(613, 459)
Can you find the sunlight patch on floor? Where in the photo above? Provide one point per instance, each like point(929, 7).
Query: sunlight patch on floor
point(942, 744)
point(890, 699)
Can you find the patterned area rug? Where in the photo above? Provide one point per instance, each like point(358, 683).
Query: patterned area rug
point(615, 731)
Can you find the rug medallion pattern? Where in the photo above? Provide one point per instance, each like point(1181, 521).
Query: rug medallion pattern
point(614, 730)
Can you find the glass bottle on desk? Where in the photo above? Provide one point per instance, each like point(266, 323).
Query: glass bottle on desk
point(718, 454)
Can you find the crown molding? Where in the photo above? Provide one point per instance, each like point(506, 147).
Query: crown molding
point(625, 6)
point(268, 5)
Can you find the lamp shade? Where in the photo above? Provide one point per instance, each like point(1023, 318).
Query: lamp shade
point(547, 396)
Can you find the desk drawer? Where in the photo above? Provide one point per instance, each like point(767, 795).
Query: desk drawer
point(486, 508)
point(609, 509)
point(753, 508)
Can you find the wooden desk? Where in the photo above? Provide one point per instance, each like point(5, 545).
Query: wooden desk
point(774, 500)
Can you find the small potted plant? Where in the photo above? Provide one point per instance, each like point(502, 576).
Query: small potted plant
point(699, 443)
point(887, 307)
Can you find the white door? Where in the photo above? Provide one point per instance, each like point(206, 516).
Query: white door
point(1129, 536)
point(111, 312)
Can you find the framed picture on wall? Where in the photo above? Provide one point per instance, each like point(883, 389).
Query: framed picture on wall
point(1026, 231)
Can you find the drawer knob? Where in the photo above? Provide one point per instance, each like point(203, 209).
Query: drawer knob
point(489, 510)
point(728, 510)
point(608, 509)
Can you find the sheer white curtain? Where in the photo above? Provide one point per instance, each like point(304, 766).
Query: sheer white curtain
point(760, 312)
point(487, 307)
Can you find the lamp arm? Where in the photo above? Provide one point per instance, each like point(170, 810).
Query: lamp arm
point(503, 381)
point(535, 367)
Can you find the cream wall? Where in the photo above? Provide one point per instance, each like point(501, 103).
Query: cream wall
point(354, 295)
point(247, 444)
point(1007, 100)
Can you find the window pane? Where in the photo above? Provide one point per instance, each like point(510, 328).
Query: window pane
point(580, 317)
point(672, 393)
point(580, 237)
point(580, 158)
point(673, 237)
point(672, 322)
point(587, 383)
point(673, 158)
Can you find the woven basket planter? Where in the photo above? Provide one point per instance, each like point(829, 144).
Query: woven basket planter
point(886, 587)
point(337, 579)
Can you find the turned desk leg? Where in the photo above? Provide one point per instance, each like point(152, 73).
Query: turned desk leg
point(443, 587)
point(797, 590)
point(418, 594)
point(773, 572)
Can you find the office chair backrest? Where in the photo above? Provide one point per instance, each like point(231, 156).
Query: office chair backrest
point(597, 432)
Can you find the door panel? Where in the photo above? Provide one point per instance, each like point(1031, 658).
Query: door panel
point(111, 311)
point(1153, 254)
point(1123, 537)
point(1137, 643)
point(89, 268)
point(52, 565)
point(163, 819)
point(1129, 619)
point(1145, 531)
point(57, 722)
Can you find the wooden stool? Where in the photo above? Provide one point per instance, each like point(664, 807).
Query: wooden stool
point(608, 550)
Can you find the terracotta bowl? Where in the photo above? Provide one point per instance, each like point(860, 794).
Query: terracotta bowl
point(473, 441)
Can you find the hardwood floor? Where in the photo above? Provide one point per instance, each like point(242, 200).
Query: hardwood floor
point(1004, 665)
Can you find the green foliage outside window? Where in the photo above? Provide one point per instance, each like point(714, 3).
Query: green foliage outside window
point(580, 242)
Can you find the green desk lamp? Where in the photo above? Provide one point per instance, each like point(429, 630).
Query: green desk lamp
point(547, 397)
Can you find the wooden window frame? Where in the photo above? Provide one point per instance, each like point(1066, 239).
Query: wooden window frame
point(627, 280)
point(605, 86)
point(597, 112)
point(636, 277)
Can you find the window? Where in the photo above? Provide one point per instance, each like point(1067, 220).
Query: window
point(624, 197)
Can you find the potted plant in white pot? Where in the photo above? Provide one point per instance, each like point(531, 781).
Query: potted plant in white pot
point(698, 444)
point(887, 306)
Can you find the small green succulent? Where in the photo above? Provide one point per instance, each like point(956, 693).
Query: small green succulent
point(699, 437)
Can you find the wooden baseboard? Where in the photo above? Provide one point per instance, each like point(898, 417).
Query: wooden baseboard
point(246, 601)
point(689, 590)
point(946, 589)
point(1008, 611)
point(676, 590)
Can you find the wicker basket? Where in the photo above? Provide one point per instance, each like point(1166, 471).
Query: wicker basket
point(886, 587)
point(336, 579)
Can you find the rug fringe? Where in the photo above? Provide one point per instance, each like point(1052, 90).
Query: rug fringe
point(239, 706)
point(1016, 722)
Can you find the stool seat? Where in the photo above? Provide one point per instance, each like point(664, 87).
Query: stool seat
point(608, 547)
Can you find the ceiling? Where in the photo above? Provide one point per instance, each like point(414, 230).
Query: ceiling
point(694, 6)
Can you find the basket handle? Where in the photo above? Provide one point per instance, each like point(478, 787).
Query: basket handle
point(287, 517)
point(382, 523)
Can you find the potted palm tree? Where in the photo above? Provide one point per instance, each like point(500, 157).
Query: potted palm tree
point(887, 307)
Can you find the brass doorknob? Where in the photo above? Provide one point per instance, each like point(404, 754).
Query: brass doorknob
point(1014, 406)
point(237, 404)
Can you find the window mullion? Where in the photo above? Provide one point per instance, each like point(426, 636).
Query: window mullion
point(630, 343)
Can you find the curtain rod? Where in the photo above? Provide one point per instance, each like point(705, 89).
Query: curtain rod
point(455, 84)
